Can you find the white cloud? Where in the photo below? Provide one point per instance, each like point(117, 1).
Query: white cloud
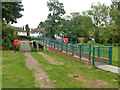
point(37, 10)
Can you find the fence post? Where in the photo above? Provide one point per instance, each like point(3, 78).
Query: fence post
point(110, 54)
point(98, 51)
point(89, 52)
point(51, 43)
point(82, 47)
point(80, 51)
point(46, 41)
point(66, 47)
point(57, 44)
point(54, 43)
point(43, 40)
point(93, 58)
point(61, 46)
point(72, 49)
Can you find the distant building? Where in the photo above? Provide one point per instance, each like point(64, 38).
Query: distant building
point(21, 32)
point(37, 32)
point(33, 33)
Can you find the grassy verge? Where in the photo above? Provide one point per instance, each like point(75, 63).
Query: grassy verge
point(115, 56)
point(14, 72)
point(85, 75)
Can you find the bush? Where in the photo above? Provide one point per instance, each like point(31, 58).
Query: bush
point(9, 34)
point(34, 49)
point(24, 37)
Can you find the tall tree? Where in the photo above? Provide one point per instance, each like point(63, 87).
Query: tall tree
point(10, 14)
point(77, 26)
point(54, 17)
point(41, 25)
point(99, 14)
point(27, 29)
point(11, 11)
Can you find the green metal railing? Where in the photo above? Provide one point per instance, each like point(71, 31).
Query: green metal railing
point(86, 51)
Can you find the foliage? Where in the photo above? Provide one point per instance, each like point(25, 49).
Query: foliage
point(99, 14)
point(105, 18)
point(9, 34)
point(41, 25)
point(77, 26)
point(10, 14)
point(11, 11)
point(24, 37)
point(54, 17)
point(101, 19)
point(27, 29)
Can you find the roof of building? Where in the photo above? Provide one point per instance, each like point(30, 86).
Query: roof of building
point(19, 29)
point(38, 30)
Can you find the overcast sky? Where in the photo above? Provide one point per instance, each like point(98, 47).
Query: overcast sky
point(37, 10)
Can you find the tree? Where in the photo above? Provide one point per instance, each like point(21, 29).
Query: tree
point(41, 25)
point(105, 18)
point(10, 14)
point(114, 23)
point(9, 34)
point(11, 11)
point(27, 29)
point(99, 14)
point(76, 26)
point(54, 17)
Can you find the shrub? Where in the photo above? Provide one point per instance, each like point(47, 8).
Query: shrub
point(24, 37)
point(9, 34)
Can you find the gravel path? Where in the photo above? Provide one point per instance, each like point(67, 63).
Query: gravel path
point(41, 77)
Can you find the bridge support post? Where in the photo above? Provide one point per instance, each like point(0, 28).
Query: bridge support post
point(37, 46)
point(32, 44)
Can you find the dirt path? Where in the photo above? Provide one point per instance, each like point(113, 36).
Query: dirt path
point(50, 59)
point(41, 77)
point(89, 82)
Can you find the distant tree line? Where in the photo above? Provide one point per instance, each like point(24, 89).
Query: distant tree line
point(101, 19)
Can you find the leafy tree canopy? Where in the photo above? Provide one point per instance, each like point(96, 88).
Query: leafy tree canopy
point(11, 11)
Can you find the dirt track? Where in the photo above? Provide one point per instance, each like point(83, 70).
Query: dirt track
point(41, 77)
point(50, 59)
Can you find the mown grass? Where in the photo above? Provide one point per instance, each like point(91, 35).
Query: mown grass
point(61, 73)
point(115, 60)
point(14, 72)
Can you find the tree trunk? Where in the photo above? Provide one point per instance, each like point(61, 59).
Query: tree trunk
point(113, 43)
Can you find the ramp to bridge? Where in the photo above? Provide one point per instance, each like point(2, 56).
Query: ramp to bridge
point(25, 46)
point(110, 68)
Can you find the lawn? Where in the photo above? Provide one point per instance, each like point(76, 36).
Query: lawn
point(14, 72)
point(73, 74)
point(115, 56)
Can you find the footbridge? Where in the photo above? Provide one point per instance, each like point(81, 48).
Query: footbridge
point(86, 53)
point(45, 46)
